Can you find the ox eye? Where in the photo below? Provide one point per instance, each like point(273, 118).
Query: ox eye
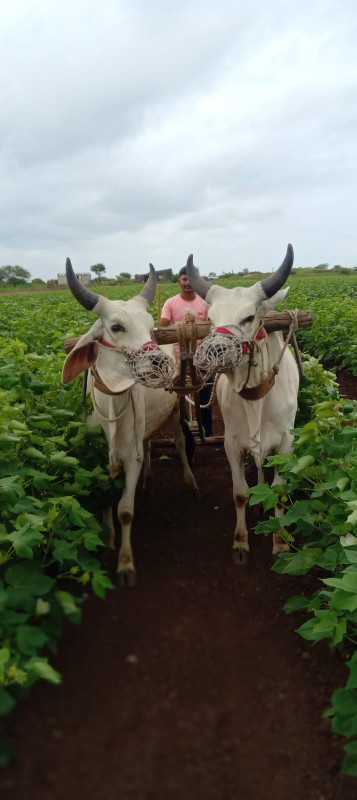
point(248, 319)
point(117, 327)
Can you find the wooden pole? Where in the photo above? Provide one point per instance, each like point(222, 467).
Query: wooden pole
point(272, 321)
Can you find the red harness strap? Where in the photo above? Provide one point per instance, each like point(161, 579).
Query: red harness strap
point(150, 345)
point(245, 347)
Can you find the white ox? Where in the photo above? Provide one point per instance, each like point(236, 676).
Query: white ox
point(257, 426)
point(132, 413)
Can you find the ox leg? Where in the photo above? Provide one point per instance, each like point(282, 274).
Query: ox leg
point(279, 546)
point(126, 568)
point(148, 475)
point(180, 444)
point(240, 498)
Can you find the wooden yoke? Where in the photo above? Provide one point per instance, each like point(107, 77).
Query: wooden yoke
point(186, 334)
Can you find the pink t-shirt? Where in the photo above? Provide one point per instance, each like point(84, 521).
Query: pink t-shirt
point(175, 308)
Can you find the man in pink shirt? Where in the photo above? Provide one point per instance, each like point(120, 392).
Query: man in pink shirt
point(175, 307)
point(174, 310)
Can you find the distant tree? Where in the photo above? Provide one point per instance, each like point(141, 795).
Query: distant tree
point(37, 282)
point(339, 268)
point(212, 275)
point(14, 275)
point(99, 269)
point(321, 266)
point(125, 275)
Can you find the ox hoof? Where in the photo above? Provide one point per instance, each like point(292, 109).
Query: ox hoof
point(240, 556)
point(126, 578)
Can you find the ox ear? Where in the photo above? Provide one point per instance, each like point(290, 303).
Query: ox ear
point(83, 355)
point(270, 303)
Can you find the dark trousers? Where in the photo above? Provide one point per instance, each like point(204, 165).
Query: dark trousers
point(206, 413)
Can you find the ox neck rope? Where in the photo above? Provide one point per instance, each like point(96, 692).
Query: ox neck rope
point(259, 391)
point(120, 416)
point(101, 386)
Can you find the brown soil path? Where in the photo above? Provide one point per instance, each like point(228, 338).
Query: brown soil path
point(193, 684)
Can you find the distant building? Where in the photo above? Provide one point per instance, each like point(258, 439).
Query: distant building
point(83, 277)
point(163, 276)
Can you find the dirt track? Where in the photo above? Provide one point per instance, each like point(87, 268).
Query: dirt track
point(193, 684)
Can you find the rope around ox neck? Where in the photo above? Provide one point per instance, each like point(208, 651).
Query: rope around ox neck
point(120, 416)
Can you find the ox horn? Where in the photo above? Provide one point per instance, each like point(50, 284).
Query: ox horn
point(199, 284)
point(272, 284)
point(148, 292)
point(86, 298)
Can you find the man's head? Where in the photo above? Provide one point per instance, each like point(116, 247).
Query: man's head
point(186, 288)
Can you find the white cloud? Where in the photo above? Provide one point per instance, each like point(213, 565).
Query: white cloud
point(133, 133)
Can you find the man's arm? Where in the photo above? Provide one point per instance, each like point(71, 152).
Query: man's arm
point(166, 316)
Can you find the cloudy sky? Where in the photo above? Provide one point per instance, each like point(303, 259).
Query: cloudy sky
point(133, 132)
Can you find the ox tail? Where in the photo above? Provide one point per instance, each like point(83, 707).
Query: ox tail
point(190, 443)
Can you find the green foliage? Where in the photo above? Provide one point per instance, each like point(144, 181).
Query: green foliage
point(319, 497)
point(53, 488)
point(54, 485)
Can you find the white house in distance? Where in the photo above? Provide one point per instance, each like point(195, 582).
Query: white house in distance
point(83, 277)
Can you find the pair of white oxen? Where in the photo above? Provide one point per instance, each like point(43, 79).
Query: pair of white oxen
point(130, 413)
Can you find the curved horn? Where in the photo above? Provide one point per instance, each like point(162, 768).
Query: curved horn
point(199, 284)
point(86, 298)
point(148, 292)
point(272, 284)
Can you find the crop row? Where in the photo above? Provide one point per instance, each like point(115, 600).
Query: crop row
point(42, 320)
point(319, 497)
point(53, 486)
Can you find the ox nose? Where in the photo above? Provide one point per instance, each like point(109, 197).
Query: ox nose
point(150, 345)
point(224, 330)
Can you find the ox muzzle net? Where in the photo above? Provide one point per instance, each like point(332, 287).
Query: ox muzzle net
point(151, 367)
point(220, 351)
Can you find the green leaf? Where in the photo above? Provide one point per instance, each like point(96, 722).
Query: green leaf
point(63, 550)
point(11, 489)
point(59, 459)
point(307, 631)
point(262, 493)
point(352, 518)
point(29, 578)
point(301, 510)
point(29, 639)
point(40, 668)
point(348, 582)
point(295, 603)
point(342, 483)
point(344, 600)
point(301, 562)
point(344, 702)
point(35, 454)
point(100, 583)
point(7, 702)
point(69, 604)
point(352, 665)
point(91, 541)
point(302, 463)
point(24, 540)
